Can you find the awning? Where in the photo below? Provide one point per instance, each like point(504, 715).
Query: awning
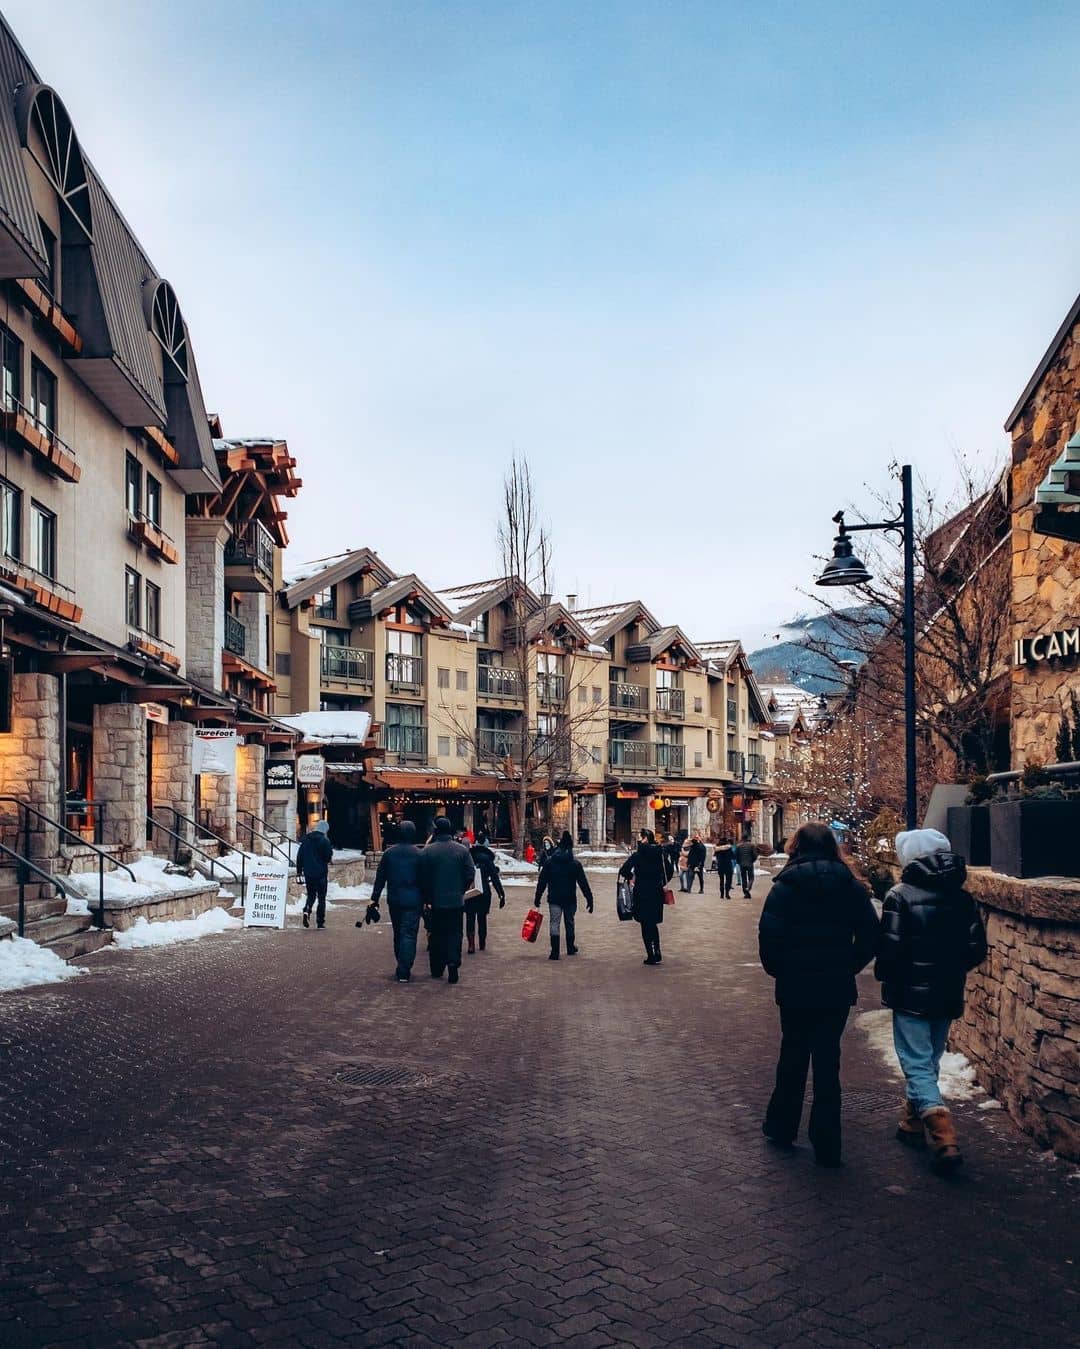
point(1057, 498)
point(331, 728)
point(681, 790)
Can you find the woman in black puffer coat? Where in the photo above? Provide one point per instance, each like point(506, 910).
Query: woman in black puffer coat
point(648, 870)
point(818, 929)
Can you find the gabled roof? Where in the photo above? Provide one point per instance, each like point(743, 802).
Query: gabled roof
point(311, 577)
point(469, 601)
point(403, 589)
point(554, 618)
point(720, 654)
point(662, 641)
point(1048, 356)
point(788, 706)
point(603, 621)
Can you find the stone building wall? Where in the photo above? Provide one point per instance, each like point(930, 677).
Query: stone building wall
point(1021, 1025)
point(171, 778)
point(217, 795)
point(251, 793)
point(205, 541)
point(30, 762)
point(120, 772)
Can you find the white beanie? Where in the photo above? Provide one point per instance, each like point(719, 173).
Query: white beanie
point(916, 843)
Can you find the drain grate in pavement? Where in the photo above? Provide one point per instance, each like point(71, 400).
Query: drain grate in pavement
point(873, 1101)
point(367, 1075)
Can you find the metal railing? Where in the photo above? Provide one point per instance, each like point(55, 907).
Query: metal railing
point(407, 741)
point(251, 545)
point(47, 820)
point(671, 702)
point(347, 664)
point(757, 765)
point(626, 756)
point(735, 762)
point(12, 404)
point(74, 807)
point(551, 688)
point(180, 817)
point(180, 841)
point(278, 846)
point(23, 865)
point(495, 681)
point(628, 698)
point(493, 743)
point(405, 672)
point(670, 758)
point(235, 635)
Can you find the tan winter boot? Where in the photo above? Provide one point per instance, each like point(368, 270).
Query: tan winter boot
point(910, 1129)
point(941, 1135)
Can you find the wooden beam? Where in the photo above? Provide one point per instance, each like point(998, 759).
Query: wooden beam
point(65, 662)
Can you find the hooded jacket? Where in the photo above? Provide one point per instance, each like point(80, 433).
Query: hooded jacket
point(314, 854)
point(818, 929)
point(562, 875)
point(697, 854)
point(399, 871)
point(446, 872)
point(488, 870)
point(931, 936)
point(649, 870)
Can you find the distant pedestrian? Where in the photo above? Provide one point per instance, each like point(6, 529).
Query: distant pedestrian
point(746, 856)
point(817, 930)
point(530, 853)
point(647, 869)
point(684, 866)
point(477, 910)
point(724, 864)
point(696, 859)
point(446, 872)
point(562, 876)
point(670, 847)
point(931, 936)
point(547, 847)
point(313, 870)
point(399, 873)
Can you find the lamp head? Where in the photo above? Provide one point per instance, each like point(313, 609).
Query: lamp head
point(843, 568)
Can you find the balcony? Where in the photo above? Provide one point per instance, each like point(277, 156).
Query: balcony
point(628, 702)
point(404, 674)
point(732, 712)
point(249, 557)
point(757, 766)
point(551, 688)
point(671, 702)
point(494, 745)
point(644, 757)
point(671, 759)
point(346, 665)
point(405, 743)
point(235, 636)
point(735, 762)
point(153, 538)
point(38, 297)
point(747, 767)
point(37, 437)
point(495, 681)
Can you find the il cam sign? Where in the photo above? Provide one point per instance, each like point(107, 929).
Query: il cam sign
point(1061, 645)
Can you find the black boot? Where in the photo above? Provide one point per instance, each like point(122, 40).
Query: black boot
point(571, 949)
point(657, 957)
point(554, 949)
point(452, 974)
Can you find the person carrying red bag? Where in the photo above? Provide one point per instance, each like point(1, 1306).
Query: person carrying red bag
point(562, 876)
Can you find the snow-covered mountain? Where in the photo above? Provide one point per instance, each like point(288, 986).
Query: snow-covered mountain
point(789, 660)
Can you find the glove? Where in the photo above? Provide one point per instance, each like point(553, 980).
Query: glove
point(359, 922)
point(588, 906)
point(372, 915)
point(502, 902)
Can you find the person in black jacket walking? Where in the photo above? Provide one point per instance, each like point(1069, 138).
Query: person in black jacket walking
point(696, 864)
point(818, 929)
point(477, 910)
point(724, 862)
point(931, 936)
point(562, 876)
point(399, 873)
point(313, 870)
point(446, 872)
point(648, 870)
point(746, 856)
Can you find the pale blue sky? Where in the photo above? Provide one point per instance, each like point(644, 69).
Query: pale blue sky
point(710, 266)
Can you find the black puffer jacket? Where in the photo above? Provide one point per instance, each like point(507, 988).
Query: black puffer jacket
point(817, 930)
point(399, 871)
point(697, 855)
point(562, 875)
point(931, 935)
point(446, 872)
point(648, 868)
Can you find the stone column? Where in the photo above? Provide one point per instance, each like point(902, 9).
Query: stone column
point(206, 599)
point(252, 612)
point(30, 763)
point(640, 814)
point(251, 793)
point(172, 779)
point(120, 772)
point(218, 796)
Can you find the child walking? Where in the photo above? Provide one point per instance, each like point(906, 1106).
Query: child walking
point(931, 936)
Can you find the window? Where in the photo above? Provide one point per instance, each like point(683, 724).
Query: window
point(697, 705)
point(582, 694)
point(596, 753)
point(48, 238)
point(11, 358)
point(443, 678)
point(334, 636)
point(444, 746)
point(153, 500)
point(400, 643)
point(132, 597)
point(708, 744)
point(10, 520)
point(697, 758)
point(42, 540)
point(403, 730)
point(479, 627)
point(283, 663)
point(42, 396)
point(326, 603)
point(462, 747)
point(152, 622)
point(462, 681)
point(133, 486)
point(597, 695)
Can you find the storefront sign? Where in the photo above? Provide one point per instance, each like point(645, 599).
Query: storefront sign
point(214, 751)
point(1061, 645)
point(626, 796)
point(157, 712)
point(268, 884)
point(310, 770)
point(280, 775)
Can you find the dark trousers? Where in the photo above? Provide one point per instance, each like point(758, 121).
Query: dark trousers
point(808, 1034)
point(445, 927)
point(747, 878)
point(650, 935)
point(476, 922)
point(406, 924)
point(726, 876)
point(316, 890)
point(699, 872)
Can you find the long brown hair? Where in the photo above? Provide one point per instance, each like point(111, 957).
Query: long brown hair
point(814, 842)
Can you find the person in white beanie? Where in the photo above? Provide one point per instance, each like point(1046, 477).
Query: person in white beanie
point(931, 936)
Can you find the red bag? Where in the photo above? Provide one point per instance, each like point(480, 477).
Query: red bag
point(669, 897)
point(530, 928)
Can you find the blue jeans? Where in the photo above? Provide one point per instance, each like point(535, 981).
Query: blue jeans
point(920, 1042)
point(406, 924)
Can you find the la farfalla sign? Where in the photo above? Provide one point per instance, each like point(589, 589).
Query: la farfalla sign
point(1061, 645)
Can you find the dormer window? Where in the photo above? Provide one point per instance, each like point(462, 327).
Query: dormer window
point(326, 603)
point(167, 325)
point(479, 627)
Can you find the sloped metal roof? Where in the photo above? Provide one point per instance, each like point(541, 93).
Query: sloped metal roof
point(604, 620)
point(16, 204)
point(311, 577)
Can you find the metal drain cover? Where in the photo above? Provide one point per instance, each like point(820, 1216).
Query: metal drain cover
point(367, 1075)
point(873, 1100)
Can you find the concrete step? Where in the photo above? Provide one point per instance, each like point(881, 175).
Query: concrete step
point(35, 908)
point(9, 891)
point(81, 943)
point(46, 931)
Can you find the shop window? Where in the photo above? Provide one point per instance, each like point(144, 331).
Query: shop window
point(443, 679)
point(462, 681)
point(153, 500)
point(326, 603)
point(132, 598)
point(10, 520)
point(11, 360)
point(42, 540)
point(444, 746)
point(42, 396)
point(153, 609)
point(133, 486)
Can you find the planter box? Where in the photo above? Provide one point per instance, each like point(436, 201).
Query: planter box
point(1035, 838)
point(969, 833)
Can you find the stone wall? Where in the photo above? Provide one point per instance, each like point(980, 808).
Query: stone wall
point(30, 762)
point(205, 540)
point(218, 796)
point(171, 779)
point(120, 772)
point(1021, 1026)
point(251, 793)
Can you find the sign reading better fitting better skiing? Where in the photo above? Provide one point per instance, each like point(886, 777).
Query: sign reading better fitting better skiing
point(267, 887)
point(1061, 645)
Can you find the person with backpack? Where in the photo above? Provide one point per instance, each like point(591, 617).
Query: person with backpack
point(477, 910)
point(817, 930)
point(313, 870)
point(398, 873)
point(932, 935)
point(561, 877)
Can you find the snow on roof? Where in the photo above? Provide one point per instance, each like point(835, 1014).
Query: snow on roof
point(719, 651)
point(599, 616)
point(239, 442)
point(331, 728)
point(304, 570)
point(789, 700)
point(456, 598)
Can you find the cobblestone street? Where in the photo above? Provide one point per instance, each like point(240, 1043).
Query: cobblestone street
point(572, 1155)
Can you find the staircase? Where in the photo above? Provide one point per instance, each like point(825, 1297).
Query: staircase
point(47, 921)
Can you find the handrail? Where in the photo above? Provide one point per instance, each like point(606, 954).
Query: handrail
point(156, 824)
point(1014, 774)
point(179, 815)
point(45, 876)
point(252, 831)
point(71, 833)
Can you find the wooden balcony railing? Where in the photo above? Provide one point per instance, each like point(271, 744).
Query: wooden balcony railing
point(496, 681)
point(404, 673)
point(671, 702)
point(628, 700)
point(347, 665)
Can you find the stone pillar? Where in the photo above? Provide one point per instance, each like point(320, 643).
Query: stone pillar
point(171, 778)
point(251, 793)
point(640, 814)
point(218, 795)
point(120, 771)
point(30, 763)
point(252, 612)
point(206, 599)
point(699, 817)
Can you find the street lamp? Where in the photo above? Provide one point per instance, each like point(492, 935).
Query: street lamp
point(845, 569)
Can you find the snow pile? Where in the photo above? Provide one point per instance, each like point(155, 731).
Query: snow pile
point(170, 931)
point(956, 1077)
point(509, 865)
point(151, 878)
point(77, 907)
point(335, 894)
point(24, 963)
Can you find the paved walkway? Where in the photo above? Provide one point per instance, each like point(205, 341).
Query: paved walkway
point(189, 1154)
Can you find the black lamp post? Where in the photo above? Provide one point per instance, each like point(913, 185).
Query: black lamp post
point(845, 569)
